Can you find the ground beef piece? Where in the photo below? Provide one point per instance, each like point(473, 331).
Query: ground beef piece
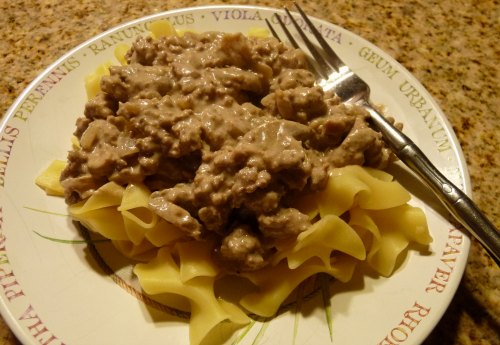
point(136, 81)
point(213, 218)
point(81, 125)
point(242, 250)
point(238, 79)
point(360, 139)
point(293, 78)
point(264, 200)
point(295, 97)
point(77, 182)
point(330, 131)
point(98, 132)
point(175, 215)
point(223, 125)
point(301, 103)
point(276, 55)
point(284, 224)
point(144, 51)
point(101, 106)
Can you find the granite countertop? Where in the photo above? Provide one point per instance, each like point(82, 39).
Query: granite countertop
point(451, 47)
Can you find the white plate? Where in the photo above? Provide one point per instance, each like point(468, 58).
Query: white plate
point(54, 293)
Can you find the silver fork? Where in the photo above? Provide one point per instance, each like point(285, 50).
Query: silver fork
point(333, 74)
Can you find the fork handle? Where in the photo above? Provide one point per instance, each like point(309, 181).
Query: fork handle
point(453, 198)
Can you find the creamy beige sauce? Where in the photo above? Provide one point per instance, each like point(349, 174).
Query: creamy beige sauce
point(226, 131)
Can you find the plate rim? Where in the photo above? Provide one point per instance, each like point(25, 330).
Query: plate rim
point(25, 337)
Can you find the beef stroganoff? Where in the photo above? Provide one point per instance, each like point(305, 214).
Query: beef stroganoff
point(206, 156)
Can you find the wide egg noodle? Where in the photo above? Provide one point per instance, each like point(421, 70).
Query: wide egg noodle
point(364, 225)
point(164, 233)
point(93, 80)
point(196, 260)
point(120, 51)
point(379, 174)
point(378, 228)
point(339, 195)
point(143, 251)
point(162, 275)
point(99, 212)
point(108, 195)
point(357, 186)
point(122, 215)
point(137, 217)
point(378, 210)
point(398, 227)
point(381, 194)
point(161, 28)
point(48, 180)
point(378, 213)
point(277, 282)
point(321, 239)
point(141, 223)
point(105, 221)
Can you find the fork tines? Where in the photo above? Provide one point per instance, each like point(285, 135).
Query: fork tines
point(328, 62)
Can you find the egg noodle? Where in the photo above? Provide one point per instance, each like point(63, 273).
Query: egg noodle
point(362, 216)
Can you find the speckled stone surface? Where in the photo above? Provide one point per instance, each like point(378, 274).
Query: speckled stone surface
point(452, 47)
